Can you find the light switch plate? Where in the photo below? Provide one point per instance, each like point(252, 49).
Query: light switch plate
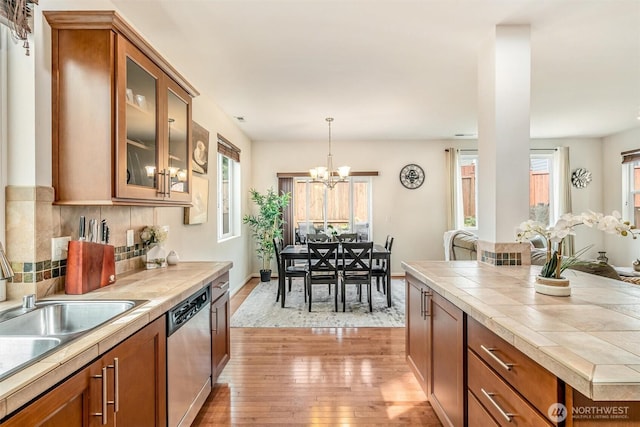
point(59, 248)
point(129, 238)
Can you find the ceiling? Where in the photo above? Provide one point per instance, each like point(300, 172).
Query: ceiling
point(393, 69)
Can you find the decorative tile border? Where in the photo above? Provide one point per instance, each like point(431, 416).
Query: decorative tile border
point(504, 254)
point(33, 272)
point(499, 259)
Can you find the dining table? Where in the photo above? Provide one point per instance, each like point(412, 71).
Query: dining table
point(291, 253)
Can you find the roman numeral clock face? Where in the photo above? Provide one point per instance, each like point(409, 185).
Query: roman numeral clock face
point(412, 176)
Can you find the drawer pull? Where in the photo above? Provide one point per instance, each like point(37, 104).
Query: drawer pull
point(490, 351)
point(507, 416)
point(222, 285)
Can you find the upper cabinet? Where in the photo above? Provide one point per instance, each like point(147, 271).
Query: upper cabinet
point(121, 115)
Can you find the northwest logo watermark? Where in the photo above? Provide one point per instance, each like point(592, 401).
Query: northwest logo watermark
point(558, 412)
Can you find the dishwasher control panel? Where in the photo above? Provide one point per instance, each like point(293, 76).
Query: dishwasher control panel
point(188, 308)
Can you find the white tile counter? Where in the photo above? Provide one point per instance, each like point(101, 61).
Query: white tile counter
point(590, 340)
point(162, 287)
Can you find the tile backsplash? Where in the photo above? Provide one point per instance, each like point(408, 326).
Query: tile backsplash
point(32, 220)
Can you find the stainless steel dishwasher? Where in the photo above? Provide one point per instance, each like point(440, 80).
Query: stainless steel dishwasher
point(188, 358)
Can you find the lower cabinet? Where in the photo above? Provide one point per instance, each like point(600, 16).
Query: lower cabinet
point(126, 386)
point(447, 361)
point(220, 326)
point(435, 350)
point(417, 331)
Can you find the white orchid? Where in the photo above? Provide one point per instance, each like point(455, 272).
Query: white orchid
point(565, 226)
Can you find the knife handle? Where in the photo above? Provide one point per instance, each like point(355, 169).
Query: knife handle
point(81, 229)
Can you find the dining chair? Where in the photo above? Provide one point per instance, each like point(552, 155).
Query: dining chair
point(379, 269)
point(348, 237)
point(290, 271)
point(322, 268)
point(317, 237)
point(356, 269)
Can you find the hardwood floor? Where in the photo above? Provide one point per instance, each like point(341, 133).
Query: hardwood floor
point(316, 377)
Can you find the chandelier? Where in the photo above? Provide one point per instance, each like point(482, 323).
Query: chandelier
point(326, 174)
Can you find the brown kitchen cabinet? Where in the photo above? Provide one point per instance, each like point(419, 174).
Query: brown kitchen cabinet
point(435, 350)
point(417, 330)
point(220, 326)
point(121, 115)
point(447, 353)
point(135, 373)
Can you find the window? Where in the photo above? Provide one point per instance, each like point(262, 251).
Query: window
point(228, 188)
point(467, 180)
point(631, 186)
point(541, 188)
point(345, 208)
point(464, 167)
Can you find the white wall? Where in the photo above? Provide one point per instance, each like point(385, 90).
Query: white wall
point(621, 251)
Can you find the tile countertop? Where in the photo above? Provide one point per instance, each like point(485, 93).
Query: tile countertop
point(162, 287)
point(590, 340)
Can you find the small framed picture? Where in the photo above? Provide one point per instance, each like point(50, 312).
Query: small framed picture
point(200, 138)
point(197, 214)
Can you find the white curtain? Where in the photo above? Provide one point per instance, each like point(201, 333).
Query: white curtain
point(454, 190)
point(562, 190)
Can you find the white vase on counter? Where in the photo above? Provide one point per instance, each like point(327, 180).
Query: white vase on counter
point(173, 258)
point(156, 257)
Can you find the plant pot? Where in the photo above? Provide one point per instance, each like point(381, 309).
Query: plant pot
point(551, 286)
point(265, 275)
point(551, 281)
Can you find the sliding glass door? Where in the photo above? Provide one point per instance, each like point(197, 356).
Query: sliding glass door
point(344, 209)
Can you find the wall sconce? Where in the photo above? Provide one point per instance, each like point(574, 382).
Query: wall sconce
point(182, 175)
point(173, 171)
point(151, 171)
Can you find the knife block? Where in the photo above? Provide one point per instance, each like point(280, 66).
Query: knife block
point(89, 266)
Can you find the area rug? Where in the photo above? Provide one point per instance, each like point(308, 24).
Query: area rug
point(260, 309)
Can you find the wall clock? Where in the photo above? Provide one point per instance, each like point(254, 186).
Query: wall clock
point(580, 178)
point(412, 176)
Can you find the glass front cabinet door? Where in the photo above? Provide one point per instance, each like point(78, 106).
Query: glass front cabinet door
point(153, 161)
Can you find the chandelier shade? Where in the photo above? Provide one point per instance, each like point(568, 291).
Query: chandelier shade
point(326, 174)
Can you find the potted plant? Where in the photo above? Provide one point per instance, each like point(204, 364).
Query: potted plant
point(266, 225)
point(550, 274)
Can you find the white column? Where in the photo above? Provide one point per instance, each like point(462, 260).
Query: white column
point(504, 87)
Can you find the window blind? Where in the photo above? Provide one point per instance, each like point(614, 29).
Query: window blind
point(226, 148)
point(630, 156)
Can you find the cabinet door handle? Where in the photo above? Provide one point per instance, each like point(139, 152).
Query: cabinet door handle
point(507, 416)
point(116, 387)
point(160, 182)
point(103, 414)
point(168, 177)
point(499, 361)
point(427, 303)
point(421, 303)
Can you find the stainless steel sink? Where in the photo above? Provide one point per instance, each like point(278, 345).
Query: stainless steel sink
point(29, 334)
point(64, 317)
